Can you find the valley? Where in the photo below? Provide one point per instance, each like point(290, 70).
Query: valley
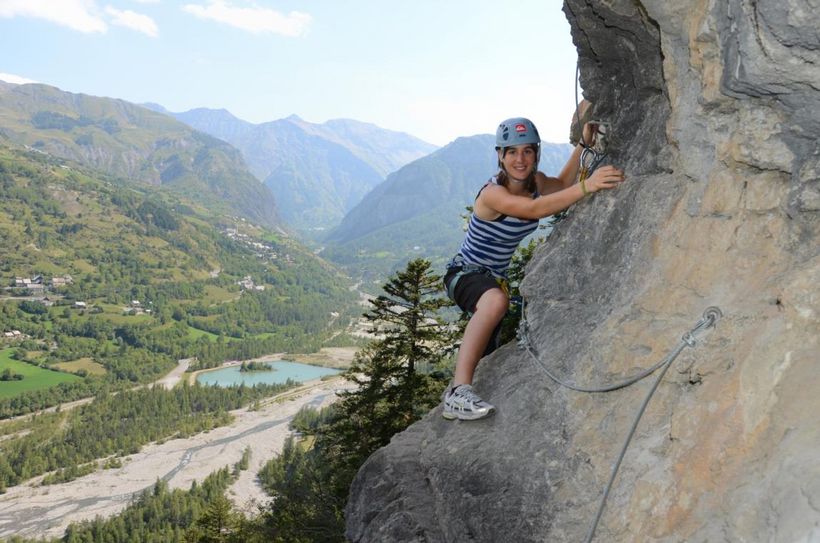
point(45, 511)
point(140, 253)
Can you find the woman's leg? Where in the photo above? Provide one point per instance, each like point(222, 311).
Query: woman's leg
point(490, 309)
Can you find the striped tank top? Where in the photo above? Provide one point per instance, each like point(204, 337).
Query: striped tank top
point(491, 244)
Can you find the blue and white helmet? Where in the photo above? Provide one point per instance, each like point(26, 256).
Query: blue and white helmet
point(518, 131)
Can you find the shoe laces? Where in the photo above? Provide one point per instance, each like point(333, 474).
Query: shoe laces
point(465, 392)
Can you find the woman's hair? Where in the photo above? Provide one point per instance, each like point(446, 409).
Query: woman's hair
point(504, 179)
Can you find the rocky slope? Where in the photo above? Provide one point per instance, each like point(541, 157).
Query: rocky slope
point(715, 112)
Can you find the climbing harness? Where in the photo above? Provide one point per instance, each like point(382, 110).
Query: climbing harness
point(464, 269)
point(690, 339)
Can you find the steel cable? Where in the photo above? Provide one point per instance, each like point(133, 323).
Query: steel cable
point(689, 339)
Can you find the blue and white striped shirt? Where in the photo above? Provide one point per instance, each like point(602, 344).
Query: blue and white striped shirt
point(491, 244)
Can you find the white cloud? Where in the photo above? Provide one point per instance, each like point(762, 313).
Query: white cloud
point(134, 21)
point(16, 79)
point(252, 19)
point(80, 15)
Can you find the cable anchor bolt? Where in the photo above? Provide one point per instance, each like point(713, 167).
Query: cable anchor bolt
point(708, 321)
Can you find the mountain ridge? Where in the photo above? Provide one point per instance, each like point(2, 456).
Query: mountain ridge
point(317, 171)
point(136, 144)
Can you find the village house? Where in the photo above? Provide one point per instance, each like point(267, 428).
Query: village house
point(57, 282)
point(26, 282)
point(136, 308)
point(36, 288)
point(246, 283)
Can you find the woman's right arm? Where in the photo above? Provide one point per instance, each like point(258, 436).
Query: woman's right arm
point(499, 200)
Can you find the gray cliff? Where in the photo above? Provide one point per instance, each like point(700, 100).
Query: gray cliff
point(715, 113)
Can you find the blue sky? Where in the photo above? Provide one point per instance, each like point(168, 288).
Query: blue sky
point(435, 69)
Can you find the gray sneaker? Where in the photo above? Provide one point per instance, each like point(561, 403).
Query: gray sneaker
point(462, 403)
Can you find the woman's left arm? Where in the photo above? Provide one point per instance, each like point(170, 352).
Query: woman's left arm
point(567, 177)
point(569, 173)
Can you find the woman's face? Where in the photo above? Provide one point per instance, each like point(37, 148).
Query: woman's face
point(518, 161)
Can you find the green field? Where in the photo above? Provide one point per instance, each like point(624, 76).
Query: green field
point(218, 295)
point(196, 333)
point(34, 378)
point(87, 364)
point(115, 314)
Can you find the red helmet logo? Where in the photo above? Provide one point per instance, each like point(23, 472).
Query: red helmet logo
point(520, 127)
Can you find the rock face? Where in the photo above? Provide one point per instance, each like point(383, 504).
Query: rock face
point(715, 114)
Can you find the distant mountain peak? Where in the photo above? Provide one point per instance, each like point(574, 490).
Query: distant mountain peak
point(153, 106)
point(213, 111)
point(340, 160)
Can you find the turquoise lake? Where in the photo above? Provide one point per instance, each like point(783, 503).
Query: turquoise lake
point(282, 371)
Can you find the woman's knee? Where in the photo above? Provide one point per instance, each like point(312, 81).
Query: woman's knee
point(494, 301)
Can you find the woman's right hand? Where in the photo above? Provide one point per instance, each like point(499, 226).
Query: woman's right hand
point(605, 177)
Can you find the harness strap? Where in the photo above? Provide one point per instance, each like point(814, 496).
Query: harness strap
point(451, 286)
point(465, 269)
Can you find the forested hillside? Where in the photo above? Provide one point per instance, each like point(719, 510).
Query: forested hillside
point(135, 144)
point(107, 283)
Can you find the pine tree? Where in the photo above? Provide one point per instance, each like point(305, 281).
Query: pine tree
point(218, 524)
point(394, 374)
point(303, 508)
point(397, 385)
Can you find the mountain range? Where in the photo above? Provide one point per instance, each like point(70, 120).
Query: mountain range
point(317, 172)
point(375, 198)
point(134, 144)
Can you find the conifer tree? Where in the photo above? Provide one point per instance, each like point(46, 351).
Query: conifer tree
point(395, 374)
point(218, 524)
point(397, 384)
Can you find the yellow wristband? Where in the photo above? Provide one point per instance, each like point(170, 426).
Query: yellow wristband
point(584, 187)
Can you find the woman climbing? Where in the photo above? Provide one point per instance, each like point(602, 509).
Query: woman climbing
point(506, 210)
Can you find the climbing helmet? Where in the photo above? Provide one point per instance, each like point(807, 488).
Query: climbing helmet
point(518, 131)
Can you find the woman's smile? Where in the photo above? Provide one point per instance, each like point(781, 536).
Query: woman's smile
point(519, 161)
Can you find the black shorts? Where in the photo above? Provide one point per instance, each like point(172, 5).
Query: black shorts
point(470, 287)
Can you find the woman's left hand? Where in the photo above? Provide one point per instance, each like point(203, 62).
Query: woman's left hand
point(605, 177)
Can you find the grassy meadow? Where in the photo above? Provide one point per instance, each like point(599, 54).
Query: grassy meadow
point(34, 378)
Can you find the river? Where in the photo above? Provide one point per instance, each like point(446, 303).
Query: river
point(34, 511)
